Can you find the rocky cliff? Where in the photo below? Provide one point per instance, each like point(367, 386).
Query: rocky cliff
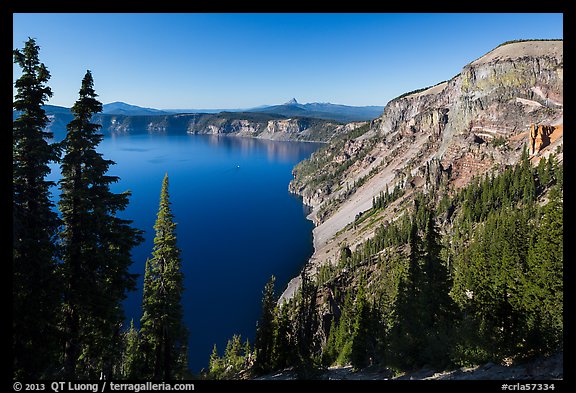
point(478, 121)
point(541, 136)
point(249, 124)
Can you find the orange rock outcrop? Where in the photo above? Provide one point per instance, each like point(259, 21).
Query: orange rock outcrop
point(539, 137)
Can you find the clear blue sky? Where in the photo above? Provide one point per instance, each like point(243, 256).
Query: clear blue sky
point(236, 60)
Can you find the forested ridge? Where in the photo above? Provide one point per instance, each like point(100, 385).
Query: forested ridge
point(461, 278)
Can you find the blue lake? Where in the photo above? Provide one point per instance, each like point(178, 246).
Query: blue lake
point(237, 224)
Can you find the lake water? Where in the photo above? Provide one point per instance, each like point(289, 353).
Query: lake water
point(237, 224)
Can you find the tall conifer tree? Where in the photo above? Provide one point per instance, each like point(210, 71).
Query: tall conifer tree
point(307, 322)
point(96, 246)
point(544, 286)
point(34, 222)
point(264, 342)
point(438, 308)
point(361, 334)
point(163, 332)
point(283, 351)
point(406, 341)
point(132, 359)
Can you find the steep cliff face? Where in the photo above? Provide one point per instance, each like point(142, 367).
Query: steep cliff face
point(500, 94)
point(249, 124)
point(541, 136)
point(476, 122)
point(266, 126)
point(269, 127)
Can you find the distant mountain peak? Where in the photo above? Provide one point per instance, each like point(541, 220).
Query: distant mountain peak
point(122, 108)
point(291, 102)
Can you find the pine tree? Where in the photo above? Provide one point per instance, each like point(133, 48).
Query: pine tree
point(438, 308)
point(283, 351)
point(306, 322)
point(329, 352)
point(343, 333)
point(345, 255)
point(35, 287)
point(132, 361)
point(406, 339)
point(544, 279)
point(162, 328)
point(96, 246)
point(216, 365)
point(264, 342)
point(359, 357)
point(234, 357)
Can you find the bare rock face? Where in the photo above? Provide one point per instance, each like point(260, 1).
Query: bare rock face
point(498, 95)
point(539, 137)
point(351, 149)
point(255, 125)
point(434, 173)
